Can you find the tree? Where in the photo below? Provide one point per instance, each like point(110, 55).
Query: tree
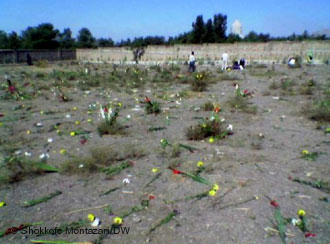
point(41, 37)
point(85, 39)
point(232, 38)
point(209, 36)
point(251, 37)
point(103, 42)
point(65, 39)
point(263, 37)
point(220, 27)
point(3, 40)
point(14, 42)
point(198, 30)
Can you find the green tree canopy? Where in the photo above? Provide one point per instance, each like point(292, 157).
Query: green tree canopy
point(85, 38)
point(41, 37)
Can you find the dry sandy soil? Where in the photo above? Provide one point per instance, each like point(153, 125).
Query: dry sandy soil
point(255, 165)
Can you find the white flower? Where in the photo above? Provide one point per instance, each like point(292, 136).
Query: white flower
point(18, 152)
point(212, 118)
point(230, 127)
point(128, 116)
point(222, 120)
point(126, 181)
point(177, 102)
point(96, 222)
point(102, 112)
point(81, 166)
point(295, 222)
point(50, 140)
point(44, 156)
point(28, 154)
point(39, 124)
point(68, 116)
point(236, 87)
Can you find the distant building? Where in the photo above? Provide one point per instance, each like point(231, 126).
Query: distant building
point(236, 28)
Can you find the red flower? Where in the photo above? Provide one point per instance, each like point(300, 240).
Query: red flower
point(176, 172)
point(246, 91)
point(151, 197)
point(147, 100)
point(217, 109)
point(106, 110)
point(308, 234)
point(83, 141)
point(274, 203)
point(12, 89)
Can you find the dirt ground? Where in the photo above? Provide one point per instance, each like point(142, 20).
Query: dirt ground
point(255, 165)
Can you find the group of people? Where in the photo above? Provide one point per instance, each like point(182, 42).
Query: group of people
point(237, 65)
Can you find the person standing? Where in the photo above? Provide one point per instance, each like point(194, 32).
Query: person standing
point(224, 61)
point(192, 60)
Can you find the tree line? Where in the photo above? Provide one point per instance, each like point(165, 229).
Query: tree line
point(45, 36)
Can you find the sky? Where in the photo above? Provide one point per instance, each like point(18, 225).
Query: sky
point(122, 19)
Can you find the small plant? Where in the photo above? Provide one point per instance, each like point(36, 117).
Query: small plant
point(42, 63)
point(152, 107)
point(208, 128)
point(14, 169)
point(200, 83)
point(109, 125)
point(241, 103)
point(208, 106)
point(319, 110)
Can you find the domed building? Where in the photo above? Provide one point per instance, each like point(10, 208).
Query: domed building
point(236, 28)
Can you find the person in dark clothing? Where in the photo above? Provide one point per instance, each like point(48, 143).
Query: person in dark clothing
point(29, 59)
point(236, 65)
point(192, 60)
point(242, 62)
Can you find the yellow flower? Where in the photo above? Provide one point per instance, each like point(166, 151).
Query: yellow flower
point(58, 131)
point(117, 220)
point(72, 133)
point(204, 125)
point(62, 151)
point(305, 152)
point(215, 187)
point(120, 104)
point(74, 108)
point(155, 170)
point(257, 198)
point(28, 132)
point(211, 140)
point(200, 164)
point(41, 112)
point(89, 120)
point(91, 217)
point(2, 204)
point(301, 212)
point(212, 193)
point(77, 122)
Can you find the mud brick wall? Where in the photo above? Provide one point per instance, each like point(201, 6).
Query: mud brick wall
point(270, 52)
point(19, 56)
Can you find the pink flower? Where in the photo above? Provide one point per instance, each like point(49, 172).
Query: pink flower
point(176, 172)
point(308, 234)
point(274, 203)
point(12, 89)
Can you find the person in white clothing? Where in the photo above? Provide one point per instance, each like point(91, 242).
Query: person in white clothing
point(224, 61)
point(192, 61)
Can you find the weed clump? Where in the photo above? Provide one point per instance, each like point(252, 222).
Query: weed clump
point(208, 128)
